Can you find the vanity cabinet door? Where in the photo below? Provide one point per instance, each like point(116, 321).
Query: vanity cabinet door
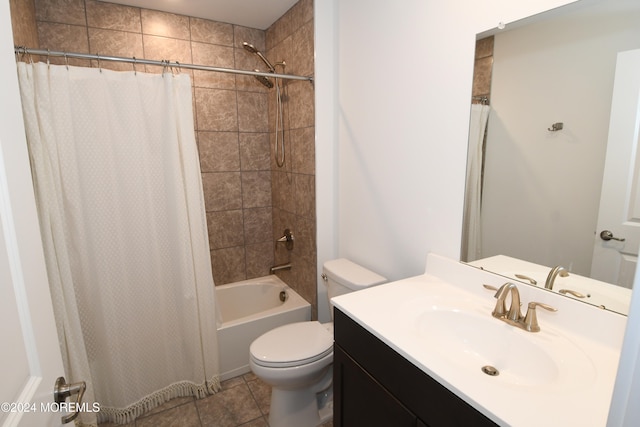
point(395, 377)
point(359, 400)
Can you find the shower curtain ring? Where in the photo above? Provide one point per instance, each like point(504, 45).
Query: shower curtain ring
point(135, 72)
point(66, 60)
point(164, 66)
point(48, 57)
point(99, 65)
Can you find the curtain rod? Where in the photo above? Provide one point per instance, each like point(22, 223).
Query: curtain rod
point(163, 63)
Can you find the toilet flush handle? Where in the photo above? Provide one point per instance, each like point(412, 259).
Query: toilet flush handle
point(324, 277)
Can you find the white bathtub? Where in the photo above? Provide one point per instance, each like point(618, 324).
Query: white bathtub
point(247, 310)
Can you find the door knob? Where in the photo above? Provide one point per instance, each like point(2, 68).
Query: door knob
point(62, 390)
point(607, 235)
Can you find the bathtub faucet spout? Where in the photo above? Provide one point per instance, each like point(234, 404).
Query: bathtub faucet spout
point(280, 267)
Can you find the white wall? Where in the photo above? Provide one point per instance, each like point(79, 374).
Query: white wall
point(395, 82)
point(398, 125)
point(542, 189)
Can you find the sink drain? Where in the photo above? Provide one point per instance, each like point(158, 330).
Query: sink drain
point(490, 370)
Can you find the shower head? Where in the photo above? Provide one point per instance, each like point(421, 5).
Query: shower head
point(264, 80)
point(252, 49)
point(249, 47)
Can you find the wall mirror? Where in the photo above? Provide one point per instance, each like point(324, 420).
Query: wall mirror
point(539, 180)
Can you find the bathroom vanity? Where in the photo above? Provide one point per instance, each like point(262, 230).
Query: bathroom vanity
point(425, 351)
point(376, 386)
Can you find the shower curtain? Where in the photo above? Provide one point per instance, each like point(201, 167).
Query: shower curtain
point(471, 234)
point(119, 193)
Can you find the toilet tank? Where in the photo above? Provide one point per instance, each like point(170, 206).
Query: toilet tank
point(342, 276)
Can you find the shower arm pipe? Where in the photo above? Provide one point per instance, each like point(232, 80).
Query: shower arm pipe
point(19, 50)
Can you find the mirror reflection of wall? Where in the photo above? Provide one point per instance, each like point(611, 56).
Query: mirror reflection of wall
point(542, 188)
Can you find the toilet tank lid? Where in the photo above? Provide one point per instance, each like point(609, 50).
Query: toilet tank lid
point(350, 274)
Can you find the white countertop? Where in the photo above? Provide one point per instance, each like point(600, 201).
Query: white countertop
point(385, 311)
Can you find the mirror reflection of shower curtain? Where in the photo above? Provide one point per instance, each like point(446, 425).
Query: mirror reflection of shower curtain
point(471, 232)
point(119, 191)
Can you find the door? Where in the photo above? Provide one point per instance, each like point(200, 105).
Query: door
point(617, 237)
point(30, 356)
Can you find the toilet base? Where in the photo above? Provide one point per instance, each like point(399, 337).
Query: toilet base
point(299, 408)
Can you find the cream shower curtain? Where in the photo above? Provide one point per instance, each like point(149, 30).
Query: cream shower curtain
point(119, 193)
point(471, 234)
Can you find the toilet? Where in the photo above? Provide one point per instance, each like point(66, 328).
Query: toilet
point(296, 359)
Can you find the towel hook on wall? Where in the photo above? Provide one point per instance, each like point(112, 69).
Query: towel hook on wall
point(556, 127)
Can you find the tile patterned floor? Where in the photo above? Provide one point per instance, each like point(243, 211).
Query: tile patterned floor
point(243, 401)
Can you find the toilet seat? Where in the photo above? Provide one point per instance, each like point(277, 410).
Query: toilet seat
point(294, 344)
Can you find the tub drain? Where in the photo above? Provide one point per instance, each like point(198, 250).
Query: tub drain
point(490, 370)
point(283, 296)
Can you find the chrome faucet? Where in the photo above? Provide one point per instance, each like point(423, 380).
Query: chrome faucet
point(556, 271)
point(514, 315)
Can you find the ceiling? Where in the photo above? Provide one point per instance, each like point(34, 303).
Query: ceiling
point(258, 14)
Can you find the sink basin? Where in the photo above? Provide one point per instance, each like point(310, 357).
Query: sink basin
point(469, 340)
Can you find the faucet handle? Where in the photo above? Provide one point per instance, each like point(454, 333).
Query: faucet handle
point(531, 318)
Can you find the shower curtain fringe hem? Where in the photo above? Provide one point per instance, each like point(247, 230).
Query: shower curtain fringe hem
point(146, 404)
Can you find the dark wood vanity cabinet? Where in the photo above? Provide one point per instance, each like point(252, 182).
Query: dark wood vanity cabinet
point(373, 385)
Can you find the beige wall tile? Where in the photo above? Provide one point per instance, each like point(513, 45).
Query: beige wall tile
point(254, 151)
point(257, 225)
point(219, 151)
point(301, 108)
point(256, 189)
point(204, 30)
point(211, 111)
point(484, 47)
point(225, 229)
point(287, 145)
point(222, 191)
point(283, 51)
point(61, 11)
point(482, 76)
point(113, 16)
point(228, 265)
point(165, 24)
point(253, 112)
point(63, 37)
point(282, 190)
point(250, 35)
point(303, 13)
point(215, 56)
point(259, 259)
point(159, 48)
point(305, 197)
point(302, 45)
point(293, 187)
point(304, 150)
point(23, 23)
point(281, 29)
point(115, 43)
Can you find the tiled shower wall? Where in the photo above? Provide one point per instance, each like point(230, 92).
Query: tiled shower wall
point(483, 67)
point(249, 201)
point(293, 186)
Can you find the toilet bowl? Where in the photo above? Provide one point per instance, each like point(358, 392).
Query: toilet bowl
point(296, 359)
